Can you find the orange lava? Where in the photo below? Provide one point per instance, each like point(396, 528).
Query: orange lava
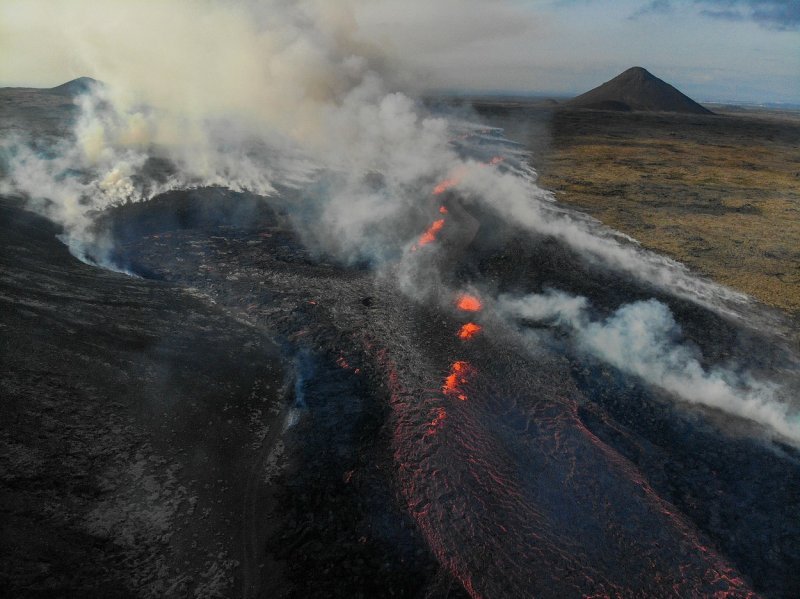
point(429, 236)
point(444, 186)
point(469, 330)
point(459, 373)
point(469, 303)
point(458, 173)
point(442, 210)
point(437, 422)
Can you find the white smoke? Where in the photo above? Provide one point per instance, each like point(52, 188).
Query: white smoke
point(255, 96)
point(644, 340)
point(248, 96)
point(279, 94)
point(520, 201)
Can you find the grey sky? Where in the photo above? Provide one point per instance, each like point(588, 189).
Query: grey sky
point(728, 50)
point(710, 49)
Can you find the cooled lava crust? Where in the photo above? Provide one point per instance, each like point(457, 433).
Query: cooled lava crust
point(416, 463)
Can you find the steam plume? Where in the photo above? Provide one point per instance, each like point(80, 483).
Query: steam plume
point(255, 96)
point(277, 94)
point(643, 339)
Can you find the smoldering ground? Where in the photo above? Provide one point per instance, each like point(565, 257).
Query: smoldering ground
point(301, 107)
point(298, 101)
point(643, 339)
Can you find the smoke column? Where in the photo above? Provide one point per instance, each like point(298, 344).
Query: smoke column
point(303, 96)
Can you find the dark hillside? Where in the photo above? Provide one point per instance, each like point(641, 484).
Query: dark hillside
point(637, 89)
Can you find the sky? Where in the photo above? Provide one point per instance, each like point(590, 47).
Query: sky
point(712, 50)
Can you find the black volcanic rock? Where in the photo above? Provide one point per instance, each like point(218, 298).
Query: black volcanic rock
point(637, 89)
point(263, 422)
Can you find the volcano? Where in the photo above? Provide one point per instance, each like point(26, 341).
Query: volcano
point(251, 415)
point(637, 89)
point(76, 87)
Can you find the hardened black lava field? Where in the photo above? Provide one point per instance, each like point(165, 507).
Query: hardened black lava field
point(240, 413)
point(291, 429)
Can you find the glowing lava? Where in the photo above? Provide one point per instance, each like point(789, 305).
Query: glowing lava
point(442, 210)
point(459, 375)
point(469, 303)
point(444, 186)
point(437, 422)
point(458, 174)
point(429, 236)
point(469, 330)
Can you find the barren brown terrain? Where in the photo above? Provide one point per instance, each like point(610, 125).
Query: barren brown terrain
point(719, 193)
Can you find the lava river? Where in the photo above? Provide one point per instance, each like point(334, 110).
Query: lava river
point(516, 464)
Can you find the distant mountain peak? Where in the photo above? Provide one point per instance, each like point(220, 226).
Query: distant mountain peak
point(637, 89)
point(76, 87)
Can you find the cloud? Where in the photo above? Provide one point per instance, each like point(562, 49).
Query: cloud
point(777, 14)
point(725, 14)
point(772, 14)
point(655, 7)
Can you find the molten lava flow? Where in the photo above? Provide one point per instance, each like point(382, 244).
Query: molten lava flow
point(342, 363)
point(429, 236)
point(442, 210)
point(469, 330)
point(444, 186)
point(437, 422)
point(459, 376)
point(469, 303)
point(458, 174)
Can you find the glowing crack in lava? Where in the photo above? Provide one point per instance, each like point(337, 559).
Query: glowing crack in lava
point(509, 528)
point(458, 174)
point(429, 236)
point(469, 303)
point(469, 330)
point(442, 210)
point(437, 422)
point(445, 185)
point(460, 373)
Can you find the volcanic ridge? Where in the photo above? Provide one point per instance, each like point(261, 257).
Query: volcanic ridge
point(637, 89)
